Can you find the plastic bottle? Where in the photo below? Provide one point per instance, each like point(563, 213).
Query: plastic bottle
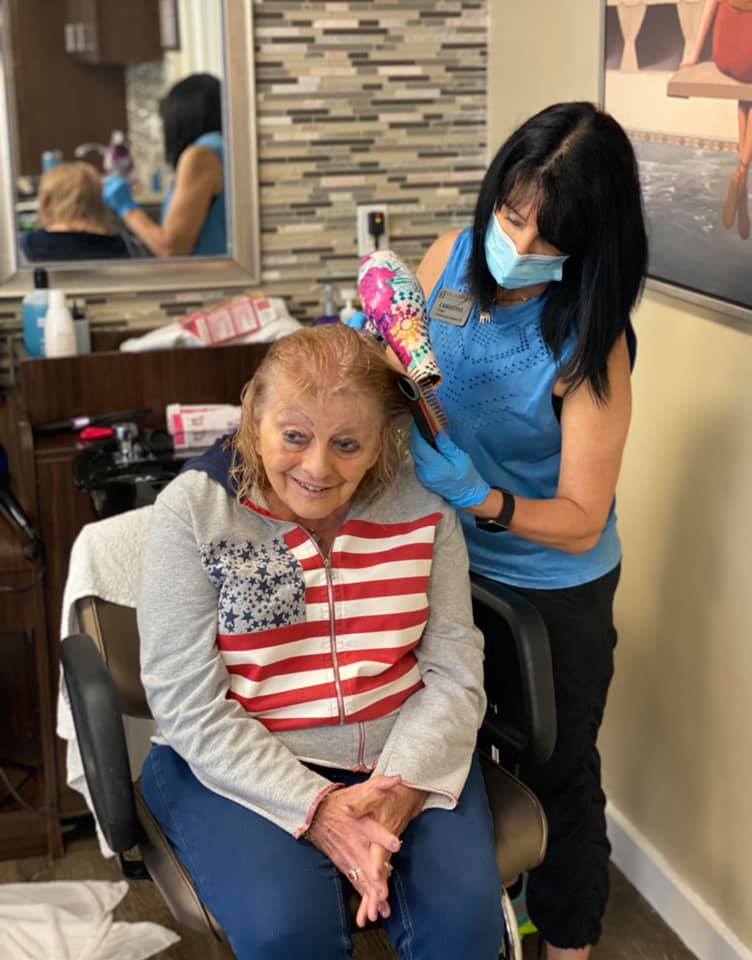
point(59, 332)
point(34, 309)
point(51, 159)
point(348, 310)
point(118, 158)
point(81, 326)
point(330, 313)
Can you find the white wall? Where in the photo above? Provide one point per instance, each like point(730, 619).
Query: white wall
point(540, 52)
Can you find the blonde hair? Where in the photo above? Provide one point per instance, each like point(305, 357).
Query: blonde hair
point(323, 361)
point(72, 192)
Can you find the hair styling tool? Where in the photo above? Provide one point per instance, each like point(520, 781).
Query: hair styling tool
point(78, 423)
point(424, 417)
point(395, 309)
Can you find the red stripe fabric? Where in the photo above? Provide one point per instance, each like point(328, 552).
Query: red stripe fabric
point(274, 636)
point(357, 685)
point(286, 698)
point(280, 668)
point(385, 706)
point(297, 723)
point(319, 661)
point(375, 531)
point(321, 628)
point(412, 551)
point(368, 589)
point(296, 538)
point(387, 639)
point(382, 624)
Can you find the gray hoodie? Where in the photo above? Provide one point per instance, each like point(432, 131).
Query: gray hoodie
point(259, 655)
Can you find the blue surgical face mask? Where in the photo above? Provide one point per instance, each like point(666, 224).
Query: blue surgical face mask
point(511, 270)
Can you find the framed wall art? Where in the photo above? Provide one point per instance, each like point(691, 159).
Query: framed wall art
point(678, 77)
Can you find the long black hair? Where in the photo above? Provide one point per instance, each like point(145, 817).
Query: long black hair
point(578, 167)
point(191, 108)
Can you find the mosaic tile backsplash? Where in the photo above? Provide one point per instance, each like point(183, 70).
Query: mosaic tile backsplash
point(363, 102)
point(357, 102)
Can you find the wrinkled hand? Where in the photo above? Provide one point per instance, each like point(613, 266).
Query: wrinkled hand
point(394, 810)
point(117, 194)
point(357, 321)
point(447, 470)
point(348, 839)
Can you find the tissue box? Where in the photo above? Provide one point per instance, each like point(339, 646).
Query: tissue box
point(199, 425)
point(228, 321)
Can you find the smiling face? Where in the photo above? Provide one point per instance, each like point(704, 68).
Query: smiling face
point(316, 449)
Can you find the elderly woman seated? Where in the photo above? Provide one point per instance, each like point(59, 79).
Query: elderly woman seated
point(76, 224)
point(309, 655)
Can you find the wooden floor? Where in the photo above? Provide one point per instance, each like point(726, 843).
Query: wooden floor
point(633, 931)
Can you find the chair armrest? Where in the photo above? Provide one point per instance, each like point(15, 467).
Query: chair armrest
point(534, 658)
point(95, 705)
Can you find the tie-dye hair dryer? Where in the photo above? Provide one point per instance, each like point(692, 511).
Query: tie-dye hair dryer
point(395, 310)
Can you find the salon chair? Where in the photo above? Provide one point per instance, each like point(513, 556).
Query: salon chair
point(101, 669)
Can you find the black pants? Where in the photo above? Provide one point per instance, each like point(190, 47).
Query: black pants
point(567, 894)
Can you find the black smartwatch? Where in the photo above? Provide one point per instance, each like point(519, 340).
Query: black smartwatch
point(501, 522)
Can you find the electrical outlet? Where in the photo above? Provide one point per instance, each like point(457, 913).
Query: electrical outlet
point(365, 240)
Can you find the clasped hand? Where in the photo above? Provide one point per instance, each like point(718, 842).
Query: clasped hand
point(359, 829)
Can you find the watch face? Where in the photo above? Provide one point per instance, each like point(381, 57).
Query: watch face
point(500, 523)
point(491, 526)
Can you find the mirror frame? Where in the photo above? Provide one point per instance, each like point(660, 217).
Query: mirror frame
point(240, 268)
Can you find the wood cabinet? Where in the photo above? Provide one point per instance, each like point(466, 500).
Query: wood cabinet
point(27, 755)
point(61, 101)
point(113, 31)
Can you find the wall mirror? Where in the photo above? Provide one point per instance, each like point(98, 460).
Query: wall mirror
point(81, 80)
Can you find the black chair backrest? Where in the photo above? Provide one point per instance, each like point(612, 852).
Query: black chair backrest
point(95, 705)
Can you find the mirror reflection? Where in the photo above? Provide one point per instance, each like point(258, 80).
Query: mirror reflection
point(129, 159)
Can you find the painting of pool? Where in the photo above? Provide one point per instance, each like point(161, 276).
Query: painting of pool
point(684, 190)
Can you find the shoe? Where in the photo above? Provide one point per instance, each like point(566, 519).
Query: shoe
point(524, 924)
point(730, 206)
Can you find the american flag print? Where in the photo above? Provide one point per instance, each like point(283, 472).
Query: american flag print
point(347, 653)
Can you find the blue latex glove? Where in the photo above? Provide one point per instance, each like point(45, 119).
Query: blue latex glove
point(357, 321)
point(447, 471)
point(117, 194)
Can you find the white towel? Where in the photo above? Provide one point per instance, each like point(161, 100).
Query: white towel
point(105, 562)
point(73, 921)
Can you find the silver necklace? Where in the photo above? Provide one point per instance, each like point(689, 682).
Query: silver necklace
point(485, 315)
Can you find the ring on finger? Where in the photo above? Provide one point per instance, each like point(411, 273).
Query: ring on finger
point(389, 869)
point(354, 875)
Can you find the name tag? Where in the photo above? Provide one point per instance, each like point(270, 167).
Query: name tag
point(452, 306)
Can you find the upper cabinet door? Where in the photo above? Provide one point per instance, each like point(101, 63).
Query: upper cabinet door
point(113, 31)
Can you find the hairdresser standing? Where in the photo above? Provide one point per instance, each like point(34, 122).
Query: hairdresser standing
point(530, 322)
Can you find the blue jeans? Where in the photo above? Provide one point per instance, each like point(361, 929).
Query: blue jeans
point(277, 897)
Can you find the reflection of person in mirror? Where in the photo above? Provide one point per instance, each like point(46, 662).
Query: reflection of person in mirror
point(75, 223)
point(732, 54)
point(193, 215)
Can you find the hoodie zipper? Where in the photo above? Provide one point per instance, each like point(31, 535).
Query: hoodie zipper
point(332, 628)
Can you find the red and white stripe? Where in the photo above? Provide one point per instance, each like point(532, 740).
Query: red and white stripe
point(352, 658)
